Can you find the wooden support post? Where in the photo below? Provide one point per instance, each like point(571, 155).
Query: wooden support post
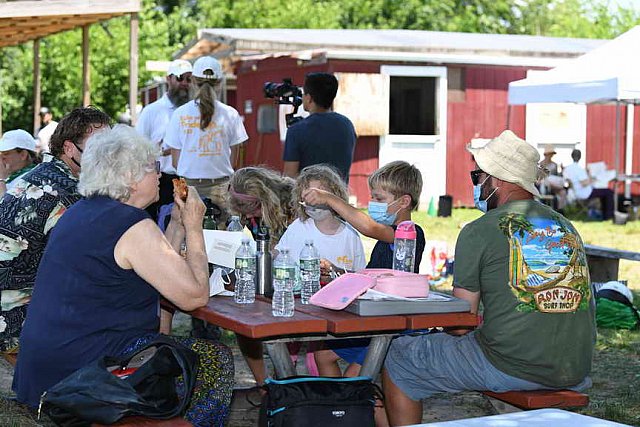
point(36, 86)
point(86, 69)
point(133, 67)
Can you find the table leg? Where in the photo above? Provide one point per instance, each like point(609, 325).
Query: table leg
point(279, 354)
point(375, 356)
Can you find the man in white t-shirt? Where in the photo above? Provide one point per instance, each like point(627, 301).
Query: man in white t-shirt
point(153, 123)
point(46, 130)
point(205, 136)
point(581, 186)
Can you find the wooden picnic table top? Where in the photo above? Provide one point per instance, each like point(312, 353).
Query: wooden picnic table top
point(601, 251)
point(256, 321)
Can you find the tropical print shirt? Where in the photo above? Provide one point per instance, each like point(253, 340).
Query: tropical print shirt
point(28, 212)
point(529, 265)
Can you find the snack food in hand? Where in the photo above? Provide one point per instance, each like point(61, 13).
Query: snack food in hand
point(180, 188)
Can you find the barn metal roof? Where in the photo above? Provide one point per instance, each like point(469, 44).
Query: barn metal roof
point(241, 41)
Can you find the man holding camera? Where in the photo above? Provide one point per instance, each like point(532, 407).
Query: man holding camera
point(323, 137)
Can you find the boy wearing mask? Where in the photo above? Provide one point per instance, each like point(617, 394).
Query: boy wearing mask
point(395, 192)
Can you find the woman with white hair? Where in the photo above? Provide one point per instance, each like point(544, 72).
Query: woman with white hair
point(105, 267)
point(205, 136)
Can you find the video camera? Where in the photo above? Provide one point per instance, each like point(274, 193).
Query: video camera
point(288, 94)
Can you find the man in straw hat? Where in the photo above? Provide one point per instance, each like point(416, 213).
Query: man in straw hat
point(553, 184)
point(527, 265)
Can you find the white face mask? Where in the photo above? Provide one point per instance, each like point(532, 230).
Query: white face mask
point(318, 214)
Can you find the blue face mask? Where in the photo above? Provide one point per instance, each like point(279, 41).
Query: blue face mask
point(378, 213)
point(481, 205)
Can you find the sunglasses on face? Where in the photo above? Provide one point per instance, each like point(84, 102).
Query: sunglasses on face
point(183, 78)
point(475, 176)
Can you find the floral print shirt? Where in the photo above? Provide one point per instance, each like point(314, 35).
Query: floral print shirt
point(28, 212)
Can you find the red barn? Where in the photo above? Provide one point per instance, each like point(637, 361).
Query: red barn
point(418, 96)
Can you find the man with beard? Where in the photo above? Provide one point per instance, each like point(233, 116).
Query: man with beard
point(527, 265)
point(153, 122)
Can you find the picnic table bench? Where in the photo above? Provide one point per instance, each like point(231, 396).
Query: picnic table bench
point(604, 262)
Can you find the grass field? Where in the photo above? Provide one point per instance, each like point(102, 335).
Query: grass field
point(616, 368)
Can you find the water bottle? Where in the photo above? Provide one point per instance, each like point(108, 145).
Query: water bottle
point(404, 247)
point(264, 283)
point(309, 271)
point(284, 274)
point(245, 288)
point(235, 224)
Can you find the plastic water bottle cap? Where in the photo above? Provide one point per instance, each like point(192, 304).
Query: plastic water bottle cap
point(406, 230)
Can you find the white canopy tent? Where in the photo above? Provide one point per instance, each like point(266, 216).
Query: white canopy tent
point(609, 73)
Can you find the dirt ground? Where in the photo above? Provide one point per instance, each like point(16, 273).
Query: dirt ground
point(614, 396)
point(443, 408)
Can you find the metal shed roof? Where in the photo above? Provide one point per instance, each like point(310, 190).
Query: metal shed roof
point(251, 40)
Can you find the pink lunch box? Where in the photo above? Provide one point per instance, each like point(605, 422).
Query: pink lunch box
point(400, 283)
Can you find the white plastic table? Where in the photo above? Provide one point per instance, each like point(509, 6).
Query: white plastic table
point(537, 418)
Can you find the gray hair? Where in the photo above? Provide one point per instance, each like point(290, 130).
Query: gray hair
point(113, 160)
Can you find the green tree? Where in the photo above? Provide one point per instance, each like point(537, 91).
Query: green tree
point(166, 26)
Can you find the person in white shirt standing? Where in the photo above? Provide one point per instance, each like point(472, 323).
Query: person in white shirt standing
point(153, 122)
point(581, 186)
point(46, 130)
point(205, 136)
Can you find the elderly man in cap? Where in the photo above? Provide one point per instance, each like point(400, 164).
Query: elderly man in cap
point(527, 265)
point(153, 122)
point(29, 211)
point(17, 157)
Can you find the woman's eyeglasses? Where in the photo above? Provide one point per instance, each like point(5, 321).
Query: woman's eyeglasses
point(475, 176)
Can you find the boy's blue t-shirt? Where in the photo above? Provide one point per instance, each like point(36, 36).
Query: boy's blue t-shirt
point(382, 254)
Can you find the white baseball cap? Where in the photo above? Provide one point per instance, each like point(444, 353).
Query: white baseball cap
point(17, 139)
point(179, 67)
point(205, 63)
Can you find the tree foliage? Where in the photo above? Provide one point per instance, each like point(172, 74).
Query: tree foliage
point(166, 26)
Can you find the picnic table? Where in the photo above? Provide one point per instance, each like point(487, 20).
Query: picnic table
point(315, 323)
point(604, 262)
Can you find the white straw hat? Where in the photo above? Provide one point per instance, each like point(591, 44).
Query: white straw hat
point(510, 159)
